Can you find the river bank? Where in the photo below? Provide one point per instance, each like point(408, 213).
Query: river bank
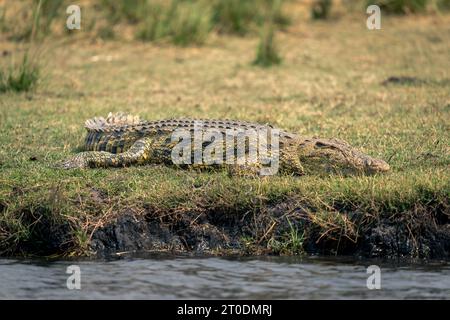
point(418, 228)
point(384, 91)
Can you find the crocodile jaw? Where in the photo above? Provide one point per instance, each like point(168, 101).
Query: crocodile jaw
point(337, 157)
point(373, 165)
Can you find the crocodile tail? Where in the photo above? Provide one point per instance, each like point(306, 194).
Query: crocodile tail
point(112, 121)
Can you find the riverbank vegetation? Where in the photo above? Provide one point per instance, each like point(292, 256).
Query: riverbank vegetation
point(385, 91)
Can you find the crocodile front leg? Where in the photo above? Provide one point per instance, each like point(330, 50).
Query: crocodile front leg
point(138, 153)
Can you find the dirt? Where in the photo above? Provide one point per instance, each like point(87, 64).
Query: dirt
point(222, 233)
point(390, 239)
point(47, 236)
point(417, 233)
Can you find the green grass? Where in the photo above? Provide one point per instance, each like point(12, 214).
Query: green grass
point(3, 24)
point(183, 23)
point(190, 22)
point(38, 18)
point(321, 9)
point(241, 17)
point(267, 52)
point(121, 10)
point(443, 4)
point(20, 77)
point(50, 10)
point(329, 85)
point(400, 6)
point(237, 16)
point(290, 243)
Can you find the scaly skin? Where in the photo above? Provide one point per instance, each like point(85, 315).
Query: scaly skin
point(123, 140)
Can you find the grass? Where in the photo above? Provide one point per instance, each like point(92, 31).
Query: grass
point(129, 11)
point(328, 85)
point(41, 13)
point(443, 4)
point(24, 76)
point(21, 77)
point(290, 243)
point(401, 6)
point(183, 23)
point(3, 24)
point(267, 53)
point(234, 16)
point(49, 11)
point(190, 22)
point(241, 17)
point(321, 9)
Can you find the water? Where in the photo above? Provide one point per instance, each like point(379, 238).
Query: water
point(168, 277)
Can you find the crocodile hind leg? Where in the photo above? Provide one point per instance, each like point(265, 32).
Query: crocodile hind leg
point(138, 153)
point(290, 163)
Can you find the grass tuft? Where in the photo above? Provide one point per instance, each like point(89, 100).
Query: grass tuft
point(267, 53)
point(443, 5)
point(44, 12)
point(21, 77)
point(125, 10)
point(321, 9)
point(240, 17)
point(290, 243)
point(234, 16)
point(182, 23)
point(400, 6)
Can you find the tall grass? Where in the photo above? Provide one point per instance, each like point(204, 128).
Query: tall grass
point(182, 22)
point(321, 9)
point(400, 6)
point(3, 23)
point(267, 53)
point(242, 16)
point(190, 25)
point(50, 9)
point(443, 4)
point(131, 11)
point(186, 22)
point(290, 243)
point(234, 16)
point(152, 27)
point(21, 77)
point(43, 15)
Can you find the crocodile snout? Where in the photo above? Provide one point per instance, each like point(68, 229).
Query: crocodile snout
point(377, 165)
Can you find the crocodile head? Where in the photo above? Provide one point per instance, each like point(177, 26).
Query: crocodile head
point(374, 165)
point(337, 156)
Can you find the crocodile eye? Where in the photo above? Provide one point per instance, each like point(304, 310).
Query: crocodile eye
point(321, 145)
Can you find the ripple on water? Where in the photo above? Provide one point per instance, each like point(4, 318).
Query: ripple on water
point(163, 277)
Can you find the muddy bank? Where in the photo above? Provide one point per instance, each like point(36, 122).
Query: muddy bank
point(287, 228)
point(278, 230)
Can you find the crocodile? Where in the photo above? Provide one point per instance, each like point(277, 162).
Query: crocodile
point(122, 139)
